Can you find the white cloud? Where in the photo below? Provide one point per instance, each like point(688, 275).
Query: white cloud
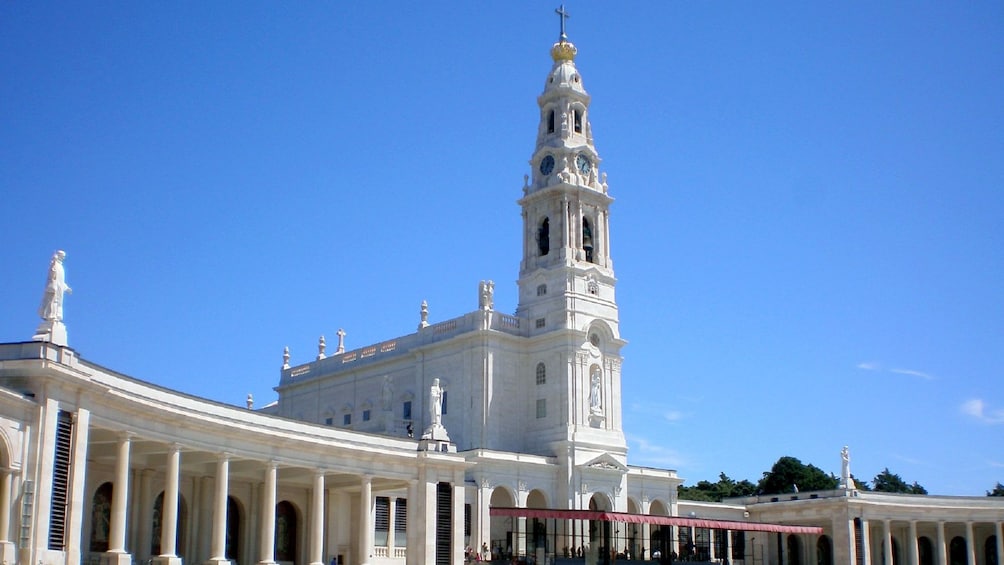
point(645, 453)
point(870, 366)
point(674, 416)
point(912, 373)
point(976, 408)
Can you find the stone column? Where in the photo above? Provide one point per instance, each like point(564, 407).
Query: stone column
point(218, 550)
point(8, 551)
point(912, 552)
point(366, 520)
point(866, 543)
point(267, 534)
point(391, 542)
point(458, 517)
point(169, 517)
point(412, 556)
point(887, 540)
point(942, 555)
point(144, 520)
point(999, 531)
point(77, 507)
point(970, 544)
point(317, 520)
point(116, 554)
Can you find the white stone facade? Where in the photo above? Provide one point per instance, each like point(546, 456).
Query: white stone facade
point(339, 468)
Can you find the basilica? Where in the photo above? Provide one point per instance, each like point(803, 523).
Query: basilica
point(487, 436)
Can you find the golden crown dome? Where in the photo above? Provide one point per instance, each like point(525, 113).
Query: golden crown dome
point(563, 51)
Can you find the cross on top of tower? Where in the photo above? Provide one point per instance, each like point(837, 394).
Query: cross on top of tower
point(562, 15)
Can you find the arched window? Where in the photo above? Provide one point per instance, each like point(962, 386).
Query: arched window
point(578, 121)
point(925, 550)
point(794, 550)
point(101, 515)
point(544, 237)
point(990, 551)
point(550, 122)
point(541, 374)
point(285, 531)
point(957, 552)
point(233, 529)
point(824, 550)
point(541, 289)
point(158, 523)
point(587, 239)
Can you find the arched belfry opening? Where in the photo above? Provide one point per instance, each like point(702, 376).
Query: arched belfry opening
point(544, 237)
point(587, 239)
point(550, 121)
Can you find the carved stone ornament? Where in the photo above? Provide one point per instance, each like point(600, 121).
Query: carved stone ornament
point(485, 484)
point(521, 486)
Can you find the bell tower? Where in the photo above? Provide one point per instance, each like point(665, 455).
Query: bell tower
point(566, 279)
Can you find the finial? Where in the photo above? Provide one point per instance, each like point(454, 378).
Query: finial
point(285, 357)
point(424, 314)
point(321, 346)
point(563, 50)
point(250, 401)
point(341, 341)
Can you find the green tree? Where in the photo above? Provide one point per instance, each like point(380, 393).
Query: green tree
point(891, 482)
point(788, 473)
point(715, 492)
point(859, 484)
point(998, 490)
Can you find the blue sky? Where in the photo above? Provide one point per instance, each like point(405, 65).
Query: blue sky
point(807, 227)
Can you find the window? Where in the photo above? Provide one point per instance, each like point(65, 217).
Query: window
point(381, 521)
point(541, 408)
point(587, 239)
point(401, 522)
point(444, 402)
point(347, 420)
point(541, 290)
point(539, 323)
point(541, 374)
point(578, 121)
point(544, 237)
point(366, 415)
point(467, 520)
point(406, 411)
point(329, 421)
point(550, 122)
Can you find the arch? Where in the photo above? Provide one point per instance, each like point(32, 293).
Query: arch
point(600, 501)
point(501, 527)
point(990, 551)
point(101, 515)
point(541, 373)
point(286, 522)
point(5, 451)
point(544, 237)
point(925, 550)
point(957, 551)
point(234, 520)
point(550, 121)
point(601, 328)
point(577, 120)
point(536, 529)
point(794, 550)
point(158, 518)
point(824, 550)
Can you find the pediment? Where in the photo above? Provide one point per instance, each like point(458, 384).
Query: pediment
point(604, 462)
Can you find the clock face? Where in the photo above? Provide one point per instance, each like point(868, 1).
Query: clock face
point(583, 163)
point(546, 165)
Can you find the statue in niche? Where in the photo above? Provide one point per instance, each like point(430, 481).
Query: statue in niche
point(436, 403)
point(51, 308)
point(595, 400)
point(386, 393)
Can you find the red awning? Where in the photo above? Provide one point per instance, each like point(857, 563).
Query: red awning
point(650, 519)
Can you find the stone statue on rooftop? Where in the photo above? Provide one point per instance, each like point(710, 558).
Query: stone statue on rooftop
point(845, 469)
point(436, 403)
point(51, 308)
